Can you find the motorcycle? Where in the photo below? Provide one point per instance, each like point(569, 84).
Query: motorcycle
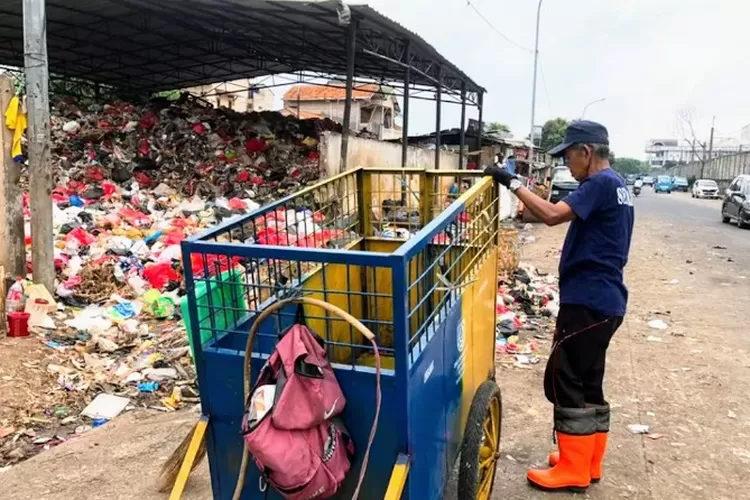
point(636, 190)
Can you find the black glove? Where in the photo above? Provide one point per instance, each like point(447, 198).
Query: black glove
point(500, 175)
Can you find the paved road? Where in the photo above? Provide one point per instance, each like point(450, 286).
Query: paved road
point(699, 219)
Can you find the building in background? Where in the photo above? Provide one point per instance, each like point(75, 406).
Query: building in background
point(239, 95)
point(667, 153)
point(374, 107)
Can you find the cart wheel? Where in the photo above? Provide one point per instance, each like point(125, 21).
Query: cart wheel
point(481, 446)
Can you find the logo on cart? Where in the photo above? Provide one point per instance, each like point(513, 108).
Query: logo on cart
point(460, 345)
point(460, 341)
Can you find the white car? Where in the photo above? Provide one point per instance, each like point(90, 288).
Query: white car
point(706, 188)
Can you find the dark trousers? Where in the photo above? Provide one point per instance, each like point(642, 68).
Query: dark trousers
point(575, 369)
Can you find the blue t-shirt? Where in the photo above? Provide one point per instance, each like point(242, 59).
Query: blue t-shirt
point(597, 245)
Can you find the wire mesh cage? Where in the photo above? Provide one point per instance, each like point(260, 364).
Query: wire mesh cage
point(341, 241)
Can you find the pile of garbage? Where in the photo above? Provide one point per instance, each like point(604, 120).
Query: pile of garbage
point(527, 302)
point(132, 183)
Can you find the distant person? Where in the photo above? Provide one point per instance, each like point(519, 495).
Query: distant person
point(510, 165)
point(638, 183)
point(500, 160)
point(593, 300)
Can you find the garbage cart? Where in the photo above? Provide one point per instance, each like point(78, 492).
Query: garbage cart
point(412, 254)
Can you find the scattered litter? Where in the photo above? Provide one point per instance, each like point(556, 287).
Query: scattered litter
point(655, 436)
point(673, 282)
point(148, 387)
point(731, 414)
point(657, 324)
point(638, 428)
point(719, 247)
point(742, 454)
point(678, 445)
point(651, 338)
point(105, 406)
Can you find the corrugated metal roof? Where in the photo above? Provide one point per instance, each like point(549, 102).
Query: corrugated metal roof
point(147, 45)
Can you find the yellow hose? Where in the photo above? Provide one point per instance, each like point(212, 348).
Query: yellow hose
point(354, 322)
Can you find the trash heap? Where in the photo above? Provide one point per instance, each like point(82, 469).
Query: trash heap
point(132, 183)
point(527, 305)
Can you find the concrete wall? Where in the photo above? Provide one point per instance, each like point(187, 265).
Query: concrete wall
point(369, 153)
point(330, 109)
point(723, 170)
point(235, 95)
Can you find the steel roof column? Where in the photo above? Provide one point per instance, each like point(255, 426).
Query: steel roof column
point(405, 127)
point(13, 249)
point(351, 49)
point(480, 128)
point(405, 123)
point(462, 133)
point(40, 170)
point(439, 99)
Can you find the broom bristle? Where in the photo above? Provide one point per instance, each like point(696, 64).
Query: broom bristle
point(171, 467)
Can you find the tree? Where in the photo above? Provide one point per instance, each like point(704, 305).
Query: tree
point(553, 133)
point(497, 128)
point(627, 166)
point(687, 131)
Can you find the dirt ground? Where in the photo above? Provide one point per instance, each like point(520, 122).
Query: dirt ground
point(688, 383)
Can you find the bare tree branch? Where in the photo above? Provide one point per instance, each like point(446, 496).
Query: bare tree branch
point(685, 117)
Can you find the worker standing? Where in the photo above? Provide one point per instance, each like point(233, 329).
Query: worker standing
point(593, 300)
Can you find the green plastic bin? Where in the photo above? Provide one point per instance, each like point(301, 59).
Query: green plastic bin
point(229, 292)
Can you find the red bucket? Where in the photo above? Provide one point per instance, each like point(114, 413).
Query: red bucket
point(18, 324)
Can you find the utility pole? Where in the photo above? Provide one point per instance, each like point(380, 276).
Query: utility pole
point(536, 61)
point(711, 140)
point(40, 171)
point(707, 157)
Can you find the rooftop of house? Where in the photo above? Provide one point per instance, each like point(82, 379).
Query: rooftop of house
point(334, 92)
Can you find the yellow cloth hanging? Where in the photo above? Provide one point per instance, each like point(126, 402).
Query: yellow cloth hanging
point(15, 120)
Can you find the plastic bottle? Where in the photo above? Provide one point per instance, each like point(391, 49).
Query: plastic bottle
point(14, 300)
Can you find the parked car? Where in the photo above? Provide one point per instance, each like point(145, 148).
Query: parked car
point(563, 183)
point(706, 188)
point(648, 181)
point(680, 184)
point(736, 205)
point(663, 184)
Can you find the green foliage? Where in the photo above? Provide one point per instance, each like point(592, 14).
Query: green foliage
point(553, 133)
point(627, 166)
point(496, 127)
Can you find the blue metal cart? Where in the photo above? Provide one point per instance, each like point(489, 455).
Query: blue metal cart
point(413, 255)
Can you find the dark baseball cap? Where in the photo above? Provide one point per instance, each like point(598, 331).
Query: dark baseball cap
point(581, 132)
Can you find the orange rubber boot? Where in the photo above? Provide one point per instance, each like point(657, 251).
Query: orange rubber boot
point(576, 436)
point(573, 471)
point(600, 447)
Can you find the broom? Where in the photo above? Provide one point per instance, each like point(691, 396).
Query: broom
point(171, 468)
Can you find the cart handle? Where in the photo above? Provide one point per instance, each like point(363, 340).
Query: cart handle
point(357, 325)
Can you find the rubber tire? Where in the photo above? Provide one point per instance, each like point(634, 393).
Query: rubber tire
point(741, 224)
point(468, 469)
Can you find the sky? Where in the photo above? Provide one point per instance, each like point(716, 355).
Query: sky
point(649, 59)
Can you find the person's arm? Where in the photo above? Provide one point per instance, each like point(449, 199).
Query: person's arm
point(551, 214)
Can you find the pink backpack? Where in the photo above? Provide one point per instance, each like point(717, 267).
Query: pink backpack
point(298, 444)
